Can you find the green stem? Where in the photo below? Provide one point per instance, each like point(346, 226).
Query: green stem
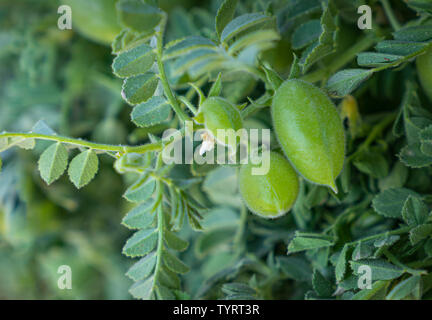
point(390, 15)
point(82, 143)
point(164, 80)
point(376, 131)
point(342, 59)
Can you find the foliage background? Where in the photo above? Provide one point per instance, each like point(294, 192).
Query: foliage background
point(66, 79)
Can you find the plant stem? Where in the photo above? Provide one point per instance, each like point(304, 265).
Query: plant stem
point(379, 235)
point(375, 132)
point(163, 78)
point(82, 143)
point(390, 15)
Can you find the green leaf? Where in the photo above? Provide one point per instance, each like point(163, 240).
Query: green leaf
point(143, 289)
point(300, 8)
point(216, 87)
point(375, 59)
point(306, 33)
point(412, 156)
point(362, 251)
point(83, 168)
point(325, 44)
point(405, 288)
point(401, 48)
point(380, 269)
point(416, 33)
point(301, 243)
point(321, 285)
point(295, 268)
point(53, 162)
point(242, 23)
point(173, 263)
point(141, 190)
point(23, 143)
point(153, 111)
point(340, 267)
point(188, 45)
point(414, 212)
point(138, 15)
point(141, 243)
point(175, 242)
point(139, 89)
point(378, 291)
point(420, 233)
point(346, 81)
point(143, 268)
point(258, 39)
point(134, 62)
point(224, 15)
point(390, 202)
point(140, 217)
point(372, 163)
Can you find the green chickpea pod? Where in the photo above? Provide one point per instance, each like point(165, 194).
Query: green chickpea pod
point(310, 131)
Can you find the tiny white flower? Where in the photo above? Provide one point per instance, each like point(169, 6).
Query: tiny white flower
point(208, 143)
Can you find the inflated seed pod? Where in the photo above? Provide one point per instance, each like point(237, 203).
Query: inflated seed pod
point(424, 70)
point(218, 113)
point(272, 194)
point(310, 131)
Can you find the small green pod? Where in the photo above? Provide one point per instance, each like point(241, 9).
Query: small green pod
point(424, 70)
point(218, 113)
point(310, 131)
point(272, 194)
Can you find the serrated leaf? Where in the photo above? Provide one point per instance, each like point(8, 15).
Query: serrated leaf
point(141, 190)
point(188, 45)
point(138, 15)
point(346, 81)
point(83, 168)
point(412, 156)
point(224, 15)
point(321, 285)
point(301, 243)
point(415, 211)
point(390, 202)
point(420, 233)
point(405, 288)
point(53, 162)
point(376, 59)
point(152, 112)
point(140, 217)
point(143, 268)
point(242, 23)
point(306, 33)
point(142, 289)
point(175, 242)
point(134, 62)
point(140, 88)
point(325, 44)
point(340, 267)
point(380, 269)
point(141, 243)
point(173, 263)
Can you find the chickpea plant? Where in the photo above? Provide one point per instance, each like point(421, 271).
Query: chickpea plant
point(348, 185)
